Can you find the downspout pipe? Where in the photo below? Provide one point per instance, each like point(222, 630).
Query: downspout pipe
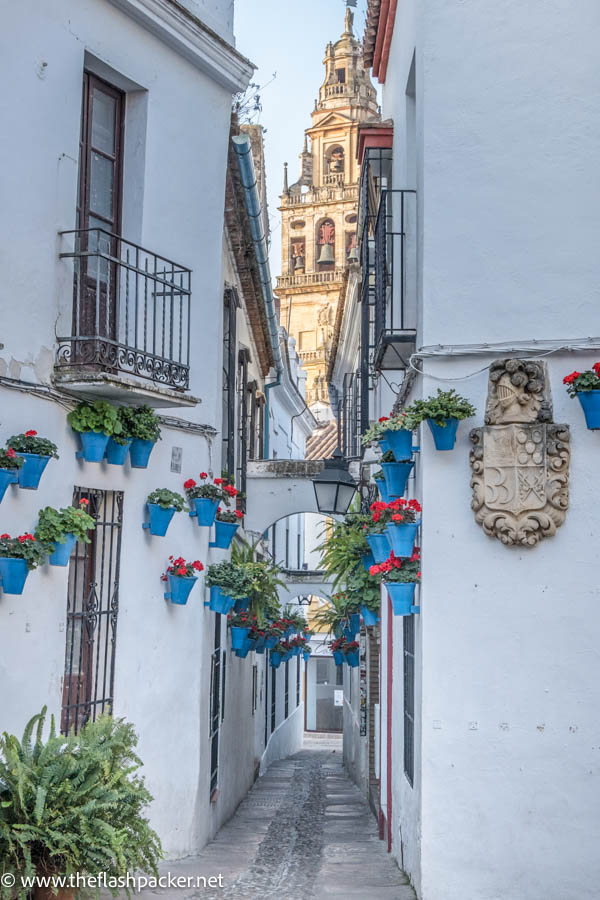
point(243, 150)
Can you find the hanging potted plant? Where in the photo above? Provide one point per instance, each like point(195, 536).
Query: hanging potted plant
point(227, 523)
point(60, 529)
point(181, 577)
point(276, 654)
point(95, 423)
point(228, 582)
point(402, 522)
point(36, 453)
point(401, 577)
point(140, 423)
point(162, 504)
point(10, 464)
point(395, 475)
point(119, 445)
point(240, 625)
point(442, 413)
point(379, 479)
point(350, 651)
point(376, 536)
point(262, 581)
point(586, 387)
point(306, 653)
point(204, 499)
point(18, 557)
point(394, 434)
point(336, 650)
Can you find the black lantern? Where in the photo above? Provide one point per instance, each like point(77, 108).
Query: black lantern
point(334, 486)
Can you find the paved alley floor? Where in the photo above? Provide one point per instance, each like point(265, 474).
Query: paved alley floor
point(303, 831)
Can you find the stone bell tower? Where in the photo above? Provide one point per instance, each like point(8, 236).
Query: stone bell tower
point(319, 211)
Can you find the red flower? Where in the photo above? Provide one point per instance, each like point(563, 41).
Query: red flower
point(4, 536)
point(596, 368)
point(11, 453)
point(239, 514)
point(197, 565)
point(190, 483)
point(203, 475)
point(181, 570)
point(218, 481)
point(569, 379)
point(163, 578)
point(83, 502)
point(229, 489)
point(25, 537)
point(397, 517)
point(374, 570)
point(30, 433)
point(218, 509)
point(384, 419)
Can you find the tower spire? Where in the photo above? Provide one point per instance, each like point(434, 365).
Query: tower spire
point(285, 179)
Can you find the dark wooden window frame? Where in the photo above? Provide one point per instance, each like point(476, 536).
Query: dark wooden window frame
point(409, 697)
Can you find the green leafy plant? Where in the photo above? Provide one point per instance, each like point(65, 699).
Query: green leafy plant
point(233, 579)
point(583, 381)
point(73, 804)
point(26, 547)
point(9, 459)
point(214, 491)
point(139, 422)
point(31, 443)
point(98, 416)
point(263, 578)
point(240, 620)
point(229, 515)
point(334, 613)
point(344, 546)
point(403, 421)
point(55, 524)
point(166, 499)
point(441, 407)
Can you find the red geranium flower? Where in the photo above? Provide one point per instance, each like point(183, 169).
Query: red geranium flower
point(229, 489)
point(181, 570)
point(190, 483)
point(569, 379)
point(30, 433)
point(218, 481)
point(83, 502)
point(596, 368)
point(203, 475)
point(384, 419)
point(239, 514)
point(4, 536)
point(197, 565)
point(11, 453)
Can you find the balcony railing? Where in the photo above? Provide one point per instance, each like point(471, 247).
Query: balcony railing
point(395, 273)
point(131, 310)
point(321, 195)
point(286, 281)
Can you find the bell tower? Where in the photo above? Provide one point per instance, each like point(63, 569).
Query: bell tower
point(319, 212)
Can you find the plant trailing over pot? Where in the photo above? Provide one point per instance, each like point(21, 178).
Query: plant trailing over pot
point(60, 529)
point(74, 804)
point(378, 430)
point(36, 453)
point(442, 412)
point(181, 577)
point(140, 423)
point(10, 464)
point(586, 387)
point(95, 423)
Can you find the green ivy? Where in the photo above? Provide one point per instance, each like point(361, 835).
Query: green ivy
point(73, 804)
point(98, 416)
point(166, 499)
point(441, 407)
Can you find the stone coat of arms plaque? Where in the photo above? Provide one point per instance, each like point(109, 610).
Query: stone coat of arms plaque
point(520, 459)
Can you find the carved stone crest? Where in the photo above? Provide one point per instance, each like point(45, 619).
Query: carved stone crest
point(519, 461)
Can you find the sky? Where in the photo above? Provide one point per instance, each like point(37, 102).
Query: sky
point(288, 38)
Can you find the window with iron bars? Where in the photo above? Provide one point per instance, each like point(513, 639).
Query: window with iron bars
point(92, 612)
point(215, 704)
point(230, 305)
point(409, 697)
point(350, 416)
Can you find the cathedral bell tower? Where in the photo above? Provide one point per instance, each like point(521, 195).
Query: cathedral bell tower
point(319, 212)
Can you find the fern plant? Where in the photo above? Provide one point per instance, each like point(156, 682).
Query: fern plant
point(264, 580)
point(73, 804)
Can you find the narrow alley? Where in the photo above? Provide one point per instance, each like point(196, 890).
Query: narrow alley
point(303, 831)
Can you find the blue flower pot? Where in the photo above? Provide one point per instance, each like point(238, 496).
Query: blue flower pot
point(241, 605)
point(590, 403)
point(384, 445)
point(260, 645)
point(160, 519)
point(352, 658)
point(224, 532)
point(400, 443)
point(444, 437)
point(32, 470)
point(270, 642)
point(13, 574)
point(62, 552)
point(354, 622)
point(243, 651)
point(220, 602)
point(306, 656)
point(179, 589)
point(116, 453)
point(275, 659)
point(368, 560)
point(369, 617)
point(7, 476)
point(93, 445)
point(402, 597)
point(382, 488)
point(402, 537)
point(396, 477)
point(204, 511)
point(338, 657)
point(380, 546)
point(139, 453)
point(238, 636)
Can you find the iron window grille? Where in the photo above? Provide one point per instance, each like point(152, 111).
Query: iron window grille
point(409, 697)
point(215, 703)
point(350, 416)
point(131, 310)
point(92, 612)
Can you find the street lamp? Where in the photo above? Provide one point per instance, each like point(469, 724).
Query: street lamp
point(334, 486)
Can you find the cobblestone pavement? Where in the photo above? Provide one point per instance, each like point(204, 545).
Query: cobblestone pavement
point(304, 832)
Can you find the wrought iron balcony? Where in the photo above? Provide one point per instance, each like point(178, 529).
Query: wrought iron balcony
point(395, 274)
point(131, 311)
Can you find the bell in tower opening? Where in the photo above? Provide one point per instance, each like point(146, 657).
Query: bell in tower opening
point(326, 242)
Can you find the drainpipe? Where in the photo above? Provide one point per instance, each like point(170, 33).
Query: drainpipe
point(243, 150)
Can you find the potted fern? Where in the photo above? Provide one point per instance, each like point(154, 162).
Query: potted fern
point(72, 805)
point(162, 504)
point(18, 557)
point(586, 387)
point(60, 529)
point(95, 423)
point(442, 413)
point(10, 464)
point(36, 453)
point(401, 577)
point(140, 423)
point(181, 576)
